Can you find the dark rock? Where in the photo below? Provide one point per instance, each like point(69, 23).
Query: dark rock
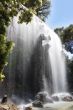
point(28, 108)
point(55, 98)
point(4, 99)
point(37, 104)
point(44, 97)
point(62, 97)
point(67, 98)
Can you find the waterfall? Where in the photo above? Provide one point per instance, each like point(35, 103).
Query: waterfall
point(37, 62)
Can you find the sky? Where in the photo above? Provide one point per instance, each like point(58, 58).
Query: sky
point(61, 13)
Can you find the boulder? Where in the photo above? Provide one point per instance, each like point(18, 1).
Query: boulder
point(44, 97)
point(62, 97)
point(4, 99)
point(28, 108)
point(67, 98)
point(37, 104)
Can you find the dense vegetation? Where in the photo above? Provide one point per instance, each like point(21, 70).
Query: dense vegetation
point(66, 34)
point(11, 8)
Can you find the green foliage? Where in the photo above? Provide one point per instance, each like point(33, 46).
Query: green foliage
point(10, 8)
point(2, 77)
point(26, 19)
point(5, 48)
point(66, 34)
point(44, 10)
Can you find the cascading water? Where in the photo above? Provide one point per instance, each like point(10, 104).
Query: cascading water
point(37, 62)
point(57, 62)
point(57, 59)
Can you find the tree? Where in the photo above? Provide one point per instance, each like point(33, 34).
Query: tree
point(9, 9)
point(66, 34)
point(44, 10)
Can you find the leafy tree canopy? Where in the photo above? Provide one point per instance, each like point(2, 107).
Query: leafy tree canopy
point(66, 34)
point(10, 8)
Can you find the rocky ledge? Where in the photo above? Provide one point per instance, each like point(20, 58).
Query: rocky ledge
point(8, 107)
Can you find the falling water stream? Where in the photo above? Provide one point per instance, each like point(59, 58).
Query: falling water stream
point(58, 67)
point(37, 62)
